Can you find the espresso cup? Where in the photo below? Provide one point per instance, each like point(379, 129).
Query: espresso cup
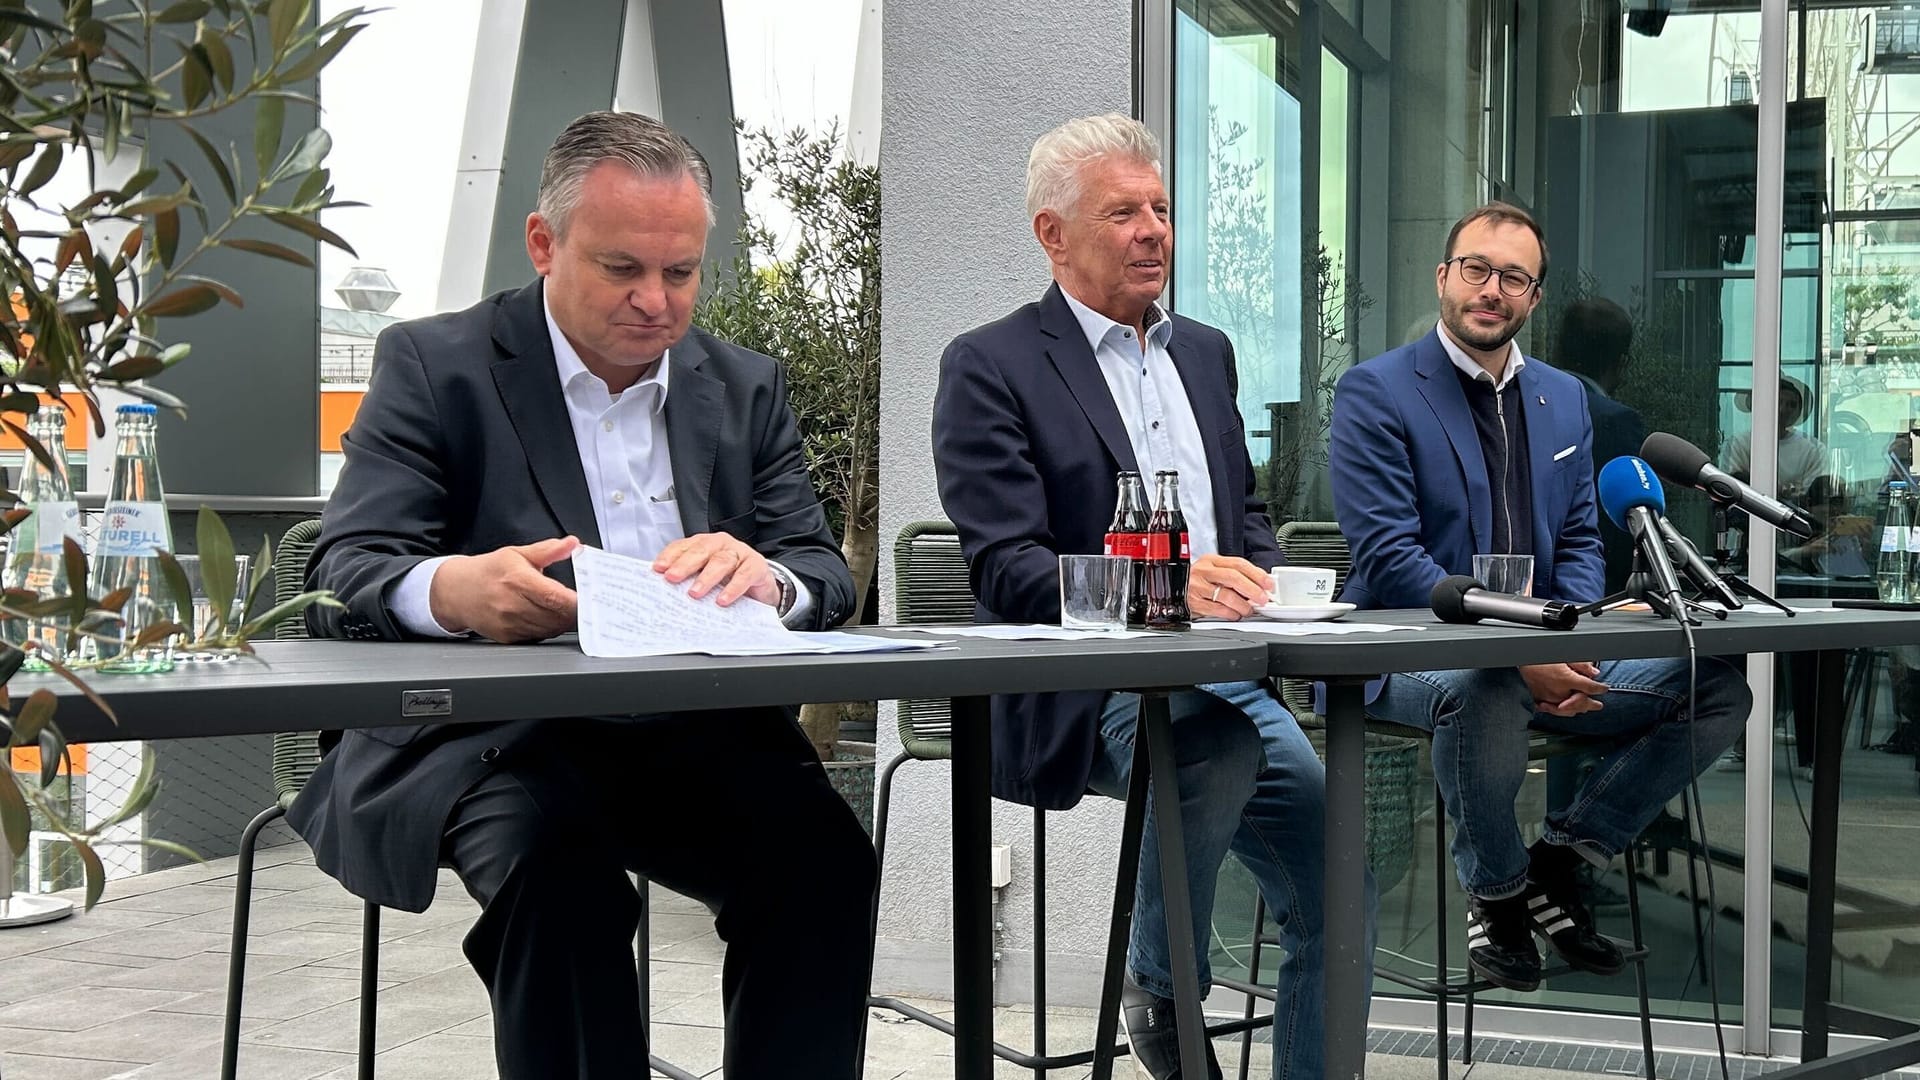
point(1300, 586)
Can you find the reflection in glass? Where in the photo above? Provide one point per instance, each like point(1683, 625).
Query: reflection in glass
point(1860, 381)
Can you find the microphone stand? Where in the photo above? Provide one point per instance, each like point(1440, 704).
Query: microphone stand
point(1640, 588)
point(1723, 561)
point(1742, 587)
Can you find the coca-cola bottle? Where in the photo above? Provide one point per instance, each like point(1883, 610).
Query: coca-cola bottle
point(1128, 536)
point(1168, 558)
point(1179, 544)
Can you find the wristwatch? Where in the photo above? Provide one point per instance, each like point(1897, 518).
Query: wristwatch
point(789, 590)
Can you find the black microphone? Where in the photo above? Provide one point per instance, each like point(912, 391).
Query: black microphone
point(1461, 599)
point(1687, 559)
point(1680, 461)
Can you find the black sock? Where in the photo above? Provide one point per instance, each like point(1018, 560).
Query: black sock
point(1548, 862)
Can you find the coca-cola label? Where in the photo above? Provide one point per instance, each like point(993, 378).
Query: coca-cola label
point(1159, 547)
point(137, 529)
point(1131, 545)
point(53, 522)
point(1186, 547)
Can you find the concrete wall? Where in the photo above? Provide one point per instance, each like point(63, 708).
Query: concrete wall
point(1436, 150)
point(969, 87)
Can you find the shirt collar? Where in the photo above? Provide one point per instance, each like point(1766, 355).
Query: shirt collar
point(1516, 362)
point(572, 369)
point(1099, 328)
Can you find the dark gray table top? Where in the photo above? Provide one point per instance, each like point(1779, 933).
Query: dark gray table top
point(308, 685)
point(1617, 635)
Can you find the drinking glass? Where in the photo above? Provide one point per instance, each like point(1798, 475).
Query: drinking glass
point(203, 608)
point(1505, 573)
point(1094, 590)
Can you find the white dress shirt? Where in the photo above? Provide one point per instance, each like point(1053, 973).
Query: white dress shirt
point(1153, 404)
point(622, 440)
point(1516, 362)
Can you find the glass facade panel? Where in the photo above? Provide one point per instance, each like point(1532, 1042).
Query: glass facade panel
point(1850, 390)
point(1237, 218)
point(1635, 147)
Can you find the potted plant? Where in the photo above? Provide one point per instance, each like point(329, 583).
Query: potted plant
point(811, 300)
point(95, 277)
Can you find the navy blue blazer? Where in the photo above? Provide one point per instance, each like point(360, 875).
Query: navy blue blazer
point(1026, 444)
point(1410, 484)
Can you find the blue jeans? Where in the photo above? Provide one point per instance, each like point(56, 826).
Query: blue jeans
point(1251, 784)
point(1479, 720)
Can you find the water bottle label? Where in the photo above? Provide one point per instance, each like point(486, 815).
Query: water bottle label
point(134, 529)
point(54, 522)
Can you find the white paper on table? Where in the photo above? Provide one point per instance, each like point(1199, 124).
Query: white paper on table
point(1301, 629)
point(835, 641)
point(626, 609)
point(1752, 608)
point(1029, 632)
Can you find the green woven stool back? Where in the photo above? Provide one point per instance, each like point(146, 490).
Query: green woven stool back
point(295, 754)
point(929, 586)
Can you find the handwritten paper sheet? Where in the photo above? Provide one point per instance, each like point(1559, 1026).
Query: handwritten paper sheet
point(628, 610)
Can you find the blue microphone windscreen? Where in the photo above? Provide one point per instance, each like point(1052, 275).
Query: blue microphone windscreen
point(1627, 482)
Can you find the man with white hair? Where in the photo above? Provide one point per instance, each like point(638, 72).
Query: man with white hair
point(1035, 415)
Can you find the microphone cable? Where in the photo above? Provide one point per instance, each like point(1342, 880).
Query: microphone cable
point(1697, 812)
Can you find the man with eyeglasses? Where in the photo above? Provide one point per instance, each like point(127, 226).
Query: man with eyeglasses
point(1457, 445)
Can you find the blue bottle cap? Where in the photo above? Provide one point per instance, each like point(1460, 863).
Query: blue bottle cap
point(141, 409)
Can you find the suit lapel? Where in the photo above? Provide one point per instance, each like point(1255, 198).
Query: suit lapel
point(1441, 387)
point(1212, 413)
point(694, 405)
point(1542, 434)
point(525, 374)
point(1073, 358)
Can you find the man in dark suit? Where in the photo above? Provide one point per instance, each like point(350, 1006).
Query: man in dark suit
point(584, 406)
point(1458, 445)
point(1035, 416)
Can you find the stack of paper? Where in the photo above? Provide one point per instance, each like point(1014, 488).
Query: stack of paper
point(1029, 632)
point(626, 609)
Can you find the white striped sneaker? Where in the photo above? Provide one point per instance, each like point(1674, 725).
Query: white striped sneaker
point(1557, 912)
point(1500, 944)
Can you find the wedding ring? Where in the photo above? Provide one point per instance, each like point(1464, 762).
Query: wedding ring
point(1215, 598)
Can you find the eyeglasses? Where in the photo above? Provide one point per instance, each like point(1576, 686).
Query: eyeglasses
point(1475, 271)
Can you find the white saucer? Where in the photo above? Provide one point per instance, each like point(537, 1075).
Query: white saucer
point(1303, 612)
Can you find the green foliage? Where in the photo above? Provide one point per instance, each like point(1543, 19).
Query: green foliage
point(93, 279)
point(812, 301)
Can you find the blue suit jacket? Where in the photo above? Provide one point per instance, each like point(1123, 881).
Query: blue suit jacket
point(1410, 484)
point(1027, 443)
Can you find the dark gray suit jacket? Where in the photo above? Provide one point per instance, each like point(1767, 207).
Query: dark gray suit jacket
point(461, 446)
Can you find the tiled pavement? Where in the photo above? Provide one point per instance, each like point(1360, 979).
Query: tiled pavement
point(136, 988)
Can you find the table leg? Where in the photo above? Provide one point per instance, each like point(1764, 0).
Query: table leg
point(1125, 879)
point(1157, 720)
point(972, 892)
point(1829, 739)
point(1347, 968)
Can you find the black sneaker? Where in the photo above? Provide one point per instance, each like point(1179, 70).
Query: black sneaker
point(1500, 943)
point(1558, 911)
point(1151, 1033)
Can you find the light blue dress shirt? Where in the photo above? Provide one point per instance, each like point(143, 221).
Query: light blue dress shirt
point(1153, 404)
